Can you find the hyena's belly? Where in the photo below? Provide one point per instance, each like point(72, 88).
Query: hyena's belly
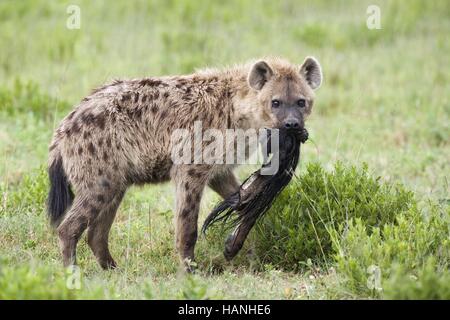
point(156, 170)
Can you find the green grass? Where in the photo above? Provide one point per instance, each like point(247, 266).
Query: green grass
point(385, 101)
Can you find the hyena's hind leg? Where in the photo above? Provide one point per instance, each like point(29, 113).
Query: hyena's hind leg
point(98, 231)
point(72, 227)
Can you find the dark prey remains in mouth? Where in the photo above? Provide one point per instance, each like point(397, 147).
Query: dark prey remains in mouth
point(255, 196)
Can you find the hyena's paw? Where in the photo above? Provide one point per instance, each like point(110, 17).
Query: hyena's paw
point(108, 264)
point(189, 265)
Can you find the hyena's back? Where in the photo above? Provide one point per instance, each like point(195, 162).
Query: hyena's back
point(121, 132)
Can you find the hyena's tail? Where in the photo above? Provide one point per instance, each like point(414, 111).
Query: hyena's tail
point(60, 196)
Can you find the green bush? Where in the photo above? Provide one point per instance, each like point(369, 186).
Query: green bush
point(299, 225)
point(409, 244)
point(430, 282)
point(381, 244)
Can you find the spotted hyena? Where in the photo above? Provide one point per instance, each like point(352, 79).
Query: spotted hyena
point(120, 135)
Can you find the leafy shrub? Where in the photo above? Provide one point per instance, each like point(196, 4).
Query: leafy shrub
point(26, 97)
point(404, 248)
point(430, 282)
point(300, 223)
point(375, 235)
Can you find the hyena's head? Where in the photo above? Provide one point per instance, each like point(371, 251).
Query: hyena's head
point(285, 92)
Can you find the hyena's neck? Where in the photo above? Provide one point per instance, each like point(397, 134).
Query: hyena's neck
point(244, 100)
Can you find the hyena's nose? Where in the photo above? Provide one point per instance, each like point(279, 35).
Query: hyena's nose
point(291, 124)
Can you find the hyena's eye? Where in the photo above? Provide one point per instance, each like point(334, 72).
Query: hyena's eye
point(275, 103)
point(301, 103)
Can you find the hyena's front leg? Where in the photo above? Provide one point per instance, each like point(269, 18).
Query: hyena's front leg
point(224, 183)
point(190, 181)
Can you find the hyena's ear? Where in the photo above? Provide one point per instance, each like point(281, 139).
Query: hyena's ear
point(259, 75)
point(312, 72)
